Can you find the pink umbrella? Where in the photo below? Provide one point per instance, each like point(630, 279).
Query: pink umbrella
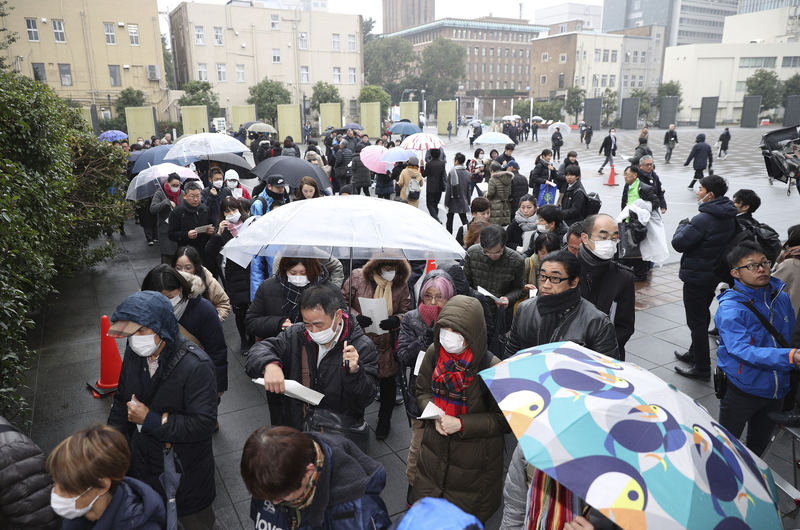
point(371, 157)
point(422, 142)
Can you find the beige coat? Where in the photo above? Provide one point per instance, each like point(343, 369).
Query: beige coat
point(218, 297)
point(405, 177)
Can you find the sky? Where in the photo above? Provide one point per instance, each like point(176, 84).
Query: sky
point(444, 8)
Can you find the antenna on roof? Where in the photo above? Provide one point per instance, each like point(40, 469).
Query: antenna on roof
point(520, 9)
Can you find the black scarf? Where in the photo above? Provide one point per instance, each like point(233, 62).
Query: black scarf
point(552, 309)
point(292, 293)
point(277, 197)
point(593, 270)
point(189, 208)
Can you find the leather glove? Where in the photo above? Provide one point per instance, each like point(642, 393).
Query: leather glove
point(393, 322)
point(428, 337)
point(364, 321)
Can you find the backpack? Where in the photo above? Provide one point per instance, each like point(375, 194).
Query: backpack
point(414, 190)
point(593, 204)
point(770, 241)
point(740, 235)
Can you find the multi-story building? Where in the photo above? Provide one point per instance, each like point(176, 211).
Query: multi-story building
point(235, 46)
point(753, 6)
point(405, 14)
point(303, 5)
point(765, 39)
point(90, 54)
point(587, 16)
point(687, 21)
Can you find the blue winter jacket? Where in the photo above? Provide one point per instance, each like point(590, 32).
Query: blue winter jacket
point(701, 153)
point(751, 357)
point(703, 240)
point(260, 267)
point(134, 506)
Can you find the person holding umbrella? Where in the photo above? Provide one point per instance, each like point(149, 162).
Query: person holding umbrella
point(557, 141)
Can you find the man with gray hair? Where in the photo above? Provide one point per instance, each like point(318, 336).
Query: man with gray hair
point(670, 142)
point(187, 217)
point(647, 174)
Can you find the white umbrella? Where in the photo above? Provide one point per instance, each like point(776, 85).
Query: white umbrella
point(145, 183)
point(510, 118)
point(537, 118)
point(345, 227)
point(422, 142)
point(493, 138)
point(205, 144)
point(563, 128)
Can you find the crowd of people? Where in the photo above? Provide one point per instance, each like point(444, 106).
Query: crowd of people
point(542, 264)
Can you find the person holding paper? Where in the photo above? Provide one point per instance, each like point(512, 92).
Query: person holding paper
point(232, 183)
point(385, 280)
point(461, 457)
point(523, 225)
point(189, 215)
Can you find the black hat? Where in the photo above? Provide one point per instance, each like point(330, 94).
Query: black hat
point(276, 180)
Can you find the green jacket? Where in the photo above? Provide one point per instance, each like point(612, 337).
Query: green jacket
point(503, 277)
point(499, 194)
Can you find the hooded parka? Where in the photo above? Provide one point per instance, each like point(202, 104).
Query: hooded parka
point(134, 506)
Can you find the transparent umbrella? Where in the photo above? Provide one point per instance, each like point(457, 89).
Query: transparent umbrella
point(205, 144)
point(563, 128)
point(145, 183)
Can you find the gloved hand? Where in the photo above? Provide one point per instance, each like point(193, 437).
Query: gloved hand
point(364, 321)
point(393, 322)
point(428, 336)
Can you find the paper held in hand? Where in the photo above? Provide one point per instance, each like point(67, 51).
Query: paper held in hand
point(418, 365)
point(487, 294)
point(201, 229)
point(295, 390)
point(374, 308)
point(431, 412)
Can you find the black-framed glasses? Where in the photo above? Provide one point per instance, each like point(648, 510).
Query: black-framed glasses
point(752, 267)
point(555, 280)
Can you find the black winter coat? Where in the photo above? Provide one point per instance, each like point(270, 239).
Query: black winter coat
point(344, 393)
point(605, 147)
point(519, 188)
point(541, 174)
point(236, 279)
point(724, 138)
point(25, 484)
point(573, 203)
point(362, 177)
point(651, 179)
point(435, 172)
point(134, 506)
point(703, 240)
point(213, 201)
point(202, 320)
point(557, 140)
point(182, 220)
point(701, 153)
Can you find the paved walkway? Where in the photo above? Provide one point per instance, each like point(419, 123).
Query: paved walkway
point(67, 335)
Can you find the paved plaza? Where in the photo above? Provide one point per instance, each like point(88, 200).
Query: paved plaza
point(67, 334)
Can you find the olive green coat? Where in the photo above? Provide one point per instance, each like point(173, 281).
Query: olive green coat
point(500, 195)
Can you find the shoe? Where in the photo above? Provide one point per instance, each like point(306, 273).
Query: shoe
point(122, 232)
point(787, 419)
point(378, 395)
point(693, 373)
point(685, 357)
point(640, 278)
point(382, 429)
point(398, 397)
point(155, 241)
point(690, 188)
point(244, 349)
point(149, 243)
point(714, 332)
point(409, 498)
point(599, 171)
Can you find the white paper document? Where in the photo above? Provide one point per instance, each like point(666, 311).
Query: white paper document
point(431, 412)
point(420, 358)
point(487, 294)
point(237, 192)
point(295, 390)
point(533, 292)
point(202, 229)
point(374, 308)
point(526, 239)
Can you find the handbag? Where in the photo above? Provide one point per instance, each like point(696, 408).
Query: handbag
point(498, 343)
point(628, 248)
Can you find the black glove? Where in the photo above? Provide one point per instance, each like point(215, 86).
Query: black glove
point(393, 322)
point(428, 336)
point(364, 321)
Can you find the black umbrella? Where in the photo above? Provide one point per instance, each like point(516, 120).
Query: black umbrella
point(248, 124)
point(170, 479)
point(229, 161)
point(292, 169)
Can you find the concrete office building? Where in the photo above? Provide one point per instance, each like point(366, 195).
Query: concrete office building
point(92, 52)
point(766, 39)
point(753, 6)
point(687, 21)
point(234, 46)
point(587, 16)
point(405, 14)
point(302, 5)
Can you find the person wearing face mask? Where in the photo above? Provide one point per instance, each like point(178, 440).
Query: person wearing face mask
point(461, 455)
point(608, 149)
point(188, 216)
point(560, 313)
point(167, 198)
point(550, 219)
point(167, 394)
point(326, 352)
point(574, 200)
point(543, 179)
point(91, 489)
point(524, 222)
point(232, 183)
point(604, 282)
point(186, 259)
point(386, 280)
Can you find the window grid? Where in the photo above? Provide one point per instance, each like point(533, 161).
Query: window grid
point(222, 73)
point(351, 76)
point(240, 74)
point(303, 44)
point(304, 77)
point(613, 56)
point(33, 29)
point(58, 31)
point(597, 55)
point(337, 75)
point(133, 34)
point(351, 43)
point(276, 55)
point(335, 42)
point(202, 71)
point(38, 72)
point(65, 73)
point(218, 38)
point(274, 22)
point(111, 36)
point(199, 35)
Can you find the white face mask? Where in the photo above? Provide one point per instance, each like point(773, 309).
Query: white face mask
point(451, 341)
point(701, 201)
point(613, 134)
point(542, 228)
point(175, 300)
point(143, 345)
point(175, 189)
point(65, 506)
point(325, 336)
point(233, 218)
point(233, 184)
point(388, 275)
point(604, 250)
point(141, 143)
point(299, 281)
point(217, 184)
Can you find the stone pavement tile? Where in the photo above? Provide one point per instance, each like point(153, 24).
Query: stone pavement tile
point(222, 499)
point(400, 435)
point(641, 362)
point(650, 323)
point(678, 336)
point(103, 289)
point(235, 427)
point(394, 494)
point(51, 406)
point(242, 393)
point(243, 511)
point(69, 378)
point(711, 403)
point(652, 349)
point(671, 312)
point(48, 435)
point(58, 354)
point(229, 516)
point(228, 468)
point(691, 387)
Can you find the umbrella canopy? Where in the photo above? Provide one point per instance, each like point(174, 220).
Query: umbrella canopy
point(404, 128)
point(397, 154)
point(170, 479)
point(563, 128)
point(261, 127)
point(205, 144)
point(345, 226)
point(476, 122)
point(510, 117)
point(145, 183)
point(537, 118)
point(422, 142)
point(249, 123)
point(156, 155)
point(634, 447)
point(231, 161)
point(371, 157)
point(292, 169)
point(493, 138)
point(113, 135)
point(354, 126)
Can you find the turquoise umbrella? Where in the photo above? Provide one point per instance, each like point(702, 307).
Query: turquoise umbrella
point(635, 448)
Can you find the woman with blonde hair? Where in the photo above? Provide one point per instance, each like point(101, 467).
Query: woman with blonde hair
point(91, 489)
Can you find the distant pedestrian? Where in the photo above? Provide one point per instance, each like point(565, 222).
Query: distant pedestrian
point(587, 135)
point(557, 141)
point(535, 131)
point(702, 156)
point(457, 192)
point(724, 139)
point(608, 149)
point(449, 129)
point(670, 142)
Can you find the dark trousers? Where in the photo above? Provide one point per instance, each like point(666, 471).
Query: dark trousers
point(698, 174)
point(640, 267)
point(557, 152)
point(696, 302)
point(387, 196)
point(535, 135)
point(148, 221)
point(240, 311)
point(205, 519)
point(609, 160)
point(432, 202)
point(668, 155)
point(343, 181)
point(388, 387)
point(738, 408)
point(358, 190)
point(450, 217)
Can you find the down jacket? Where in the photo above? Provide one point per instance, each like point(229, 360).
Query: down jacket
point(499, 194)
point(519, 188)
point(235, 278)
point(501, 277)
point(701, 154)
point(361, 175)
point(24, 483)
point(184, 386)
point(703, 240)
point(160, 206)
point(465, 468)
point(134, 506)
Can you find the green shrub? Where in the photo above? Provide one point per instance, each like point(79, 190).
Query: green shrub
point(166, 126)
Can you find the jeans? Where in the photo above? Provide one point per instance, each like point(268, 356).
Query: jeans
point(696, 302)
point(698, 174)
point(474, 186)
point(450, 217)
point(609, 160)
point(738, 408)
point(432, 202)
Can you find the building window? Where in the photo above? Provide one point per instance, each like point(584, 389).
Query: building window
point(353, 107)
point(527, 54)
point(527, 69)
point(33, 29)
point(514, 52)
point(561, 80)
point(483, 68)
point(351, 43)
point(506, 52)
point(624, 81)
point(65, 73)
point(222, 73)
point(476, 51)
point(604, 80)
point(304, 77)
point(58, 31)
point(336, 42)
point(637, 4)
point(240, 75)
point(505, 68)
point(491, 52)
point(113, 72)
point(635, 57)
point(596, 55)
point(483, 85)
point(577, 80)
point(202, 72)
point(218, 39)
point(467, 84)
point(595, 81)
point(605, 56)
point(303, 44)
point(337, 75)
point(111, 37)
point(38, 72)
point(562, 58)
point(491, 68)
point(741, 86)
point(583, 80)
point(505, 85)
point(469, 65)
point(641, 81)
point(613, 56)
point(133, 34)
point(562, 28)
point(544, 57)
point(757, 62)
point(351, 76)
point(274, 22)
point(512, 68)
point(612, 81)
point(658, 38)
point(483, 51)
point(469, 50)
point(276, 55)
point(199, 35)
point(791, 62)
point(643, 59)
point(543, 80)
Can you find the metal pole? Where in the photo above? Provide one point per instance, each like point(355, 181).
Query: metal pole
point(494, 101)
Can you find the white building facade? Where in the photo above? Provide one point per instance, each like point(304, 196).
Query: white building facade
point(590, 16)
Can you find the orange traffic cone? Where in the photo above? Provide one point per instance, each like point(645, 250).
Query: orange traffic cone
point(431, 266)
point(110, 363)
point(611, 178)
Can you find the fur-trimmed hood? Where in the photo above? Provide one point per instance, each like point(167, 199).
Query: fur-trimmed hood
point(373, 265)
point(198, 287)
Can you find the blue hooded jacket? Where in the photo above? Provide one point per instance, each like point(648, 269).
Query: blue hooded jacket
point(260, 267)
point(751, 357)
point(134, 506)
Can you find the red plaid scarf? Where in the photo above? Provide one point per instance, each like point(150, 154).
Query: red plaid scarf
point(450, 381)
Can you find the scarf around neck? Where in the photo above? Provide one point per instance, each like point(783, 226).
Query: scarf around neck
point(171, 195)
point(292, 293)
point(383, 289)
point(552, 309)
point(526, 223)
point(450, 381)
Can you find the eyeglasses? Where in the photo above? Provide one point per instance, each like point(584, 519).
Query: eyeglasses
point(555, 280)
point(754, 266)
point(435, 298)
point(493, 254)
